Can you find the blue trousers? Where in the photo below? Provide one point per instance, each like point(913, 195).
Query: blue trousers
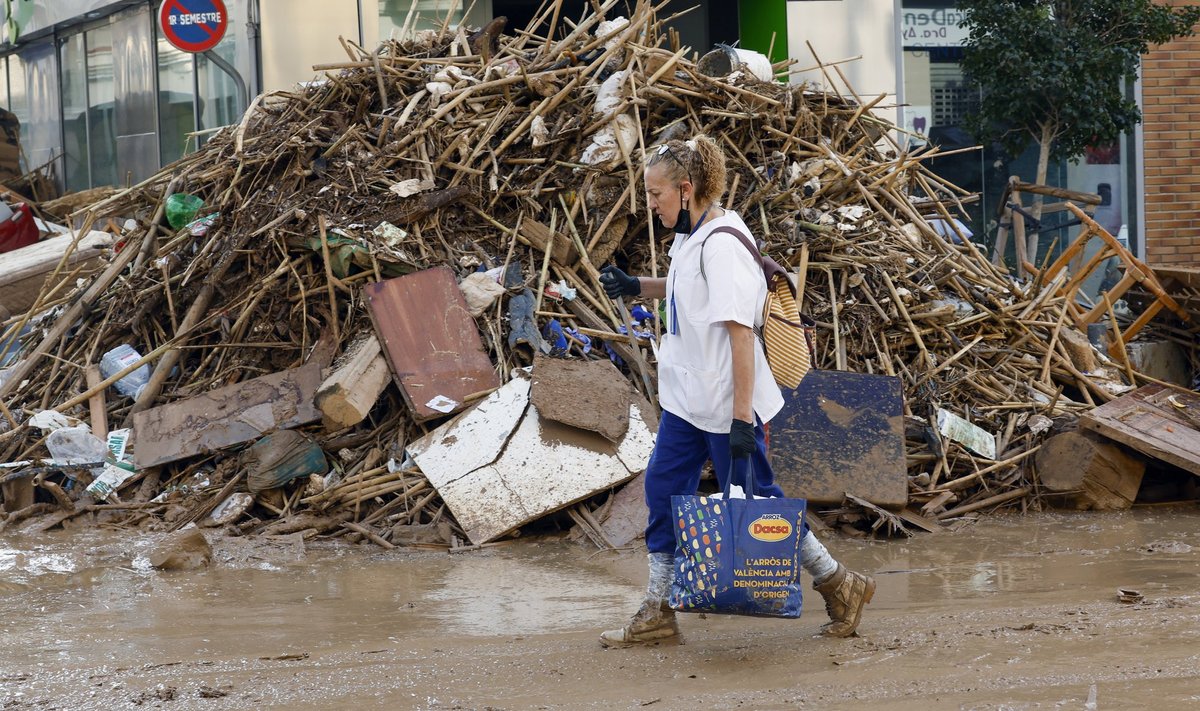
point(680, 452)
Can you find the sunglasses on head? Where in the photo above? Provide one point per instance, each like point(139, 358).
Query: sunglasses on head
point(666, 149)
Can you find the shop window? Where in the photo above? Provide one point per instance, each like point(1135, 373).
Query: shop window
point(218, 105)
point(73, 63)
point(18, 101)
point(41, 121)
point(176, 107)
point(4, 100)
point(218, 101)
point(102, 123)
point(937, 101)
point(432, 13)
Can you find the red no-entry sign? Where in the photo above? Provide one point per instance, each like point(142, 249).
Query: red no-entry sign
point(193, 25)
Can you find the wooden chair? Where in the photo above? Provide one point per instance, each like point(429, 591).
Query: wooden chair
point(1012, 215)
point(1136, 272)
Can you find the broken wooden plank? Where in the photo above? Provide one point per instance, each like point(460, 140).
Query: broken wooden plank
point(24, 270)
point(536, 234)
point(351, 391)
point(96, 405)
point(430, 341)
point(1155, 420)
point(989, 502)
point(1061, 193)
point(925, 523)
point(1092, 471)
point(230, 415)
point(842, 432)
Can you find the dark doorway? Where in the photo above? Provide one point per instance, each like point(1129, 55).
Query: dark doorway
point(521, 12)
point(701, 28)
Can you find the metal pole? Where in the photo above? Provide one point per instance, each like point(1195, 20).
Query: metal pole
point(243, 92)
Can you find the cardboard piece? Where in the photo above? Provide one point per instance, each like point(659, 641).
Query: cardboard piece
point(973, 437)
point(626, 517)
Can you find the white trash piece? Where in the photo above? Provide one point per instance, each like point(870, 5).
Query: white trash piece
point(50, 420)
point(725, 60)
point(119, 359)
point(76, 445)
point(230, 510)
point(111, 479)
point(118, 443)
point(618, 136)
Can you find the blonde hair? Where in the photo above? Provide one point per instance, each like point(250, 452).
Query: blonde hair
point(698, 159)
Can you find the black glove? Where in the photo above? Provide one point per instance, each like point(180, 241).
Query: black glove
point(617, 283)
point(741, 440)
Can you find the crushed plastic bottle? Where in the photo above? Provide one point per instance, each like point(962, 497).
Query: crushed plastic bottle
point(182, 209)
point(119, 359)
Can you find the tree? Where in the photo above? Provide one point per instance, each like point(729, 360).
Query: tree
point(1052, 72)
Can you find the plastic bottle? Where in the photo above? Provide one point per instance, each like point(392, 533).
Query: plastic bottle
point(119, 359)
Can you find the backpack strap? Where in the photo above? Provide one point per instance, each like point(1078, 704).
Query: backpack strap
point(770, 268)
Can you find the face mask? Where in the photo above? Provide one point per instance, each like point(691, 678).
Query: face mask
point(683, 223)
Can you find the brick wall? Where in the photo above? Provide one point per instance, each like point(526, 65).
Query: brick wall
point(1171, 129)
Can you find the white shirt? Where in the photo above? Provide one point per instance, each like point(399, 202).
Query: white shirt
point(695, 362)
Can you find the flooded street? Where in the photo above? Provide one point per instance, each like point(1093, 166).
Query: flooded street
point(1013, 613)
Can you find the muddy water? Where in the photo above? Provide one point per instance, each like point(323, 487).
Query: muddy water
point(1014, 613)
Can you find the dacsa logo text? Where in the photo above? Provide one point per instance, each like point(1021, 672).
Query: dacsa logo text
point(770, 528)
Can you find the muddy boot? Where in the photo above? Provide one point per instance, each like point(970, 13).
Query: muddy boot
point(846, 593)
point(653, 623)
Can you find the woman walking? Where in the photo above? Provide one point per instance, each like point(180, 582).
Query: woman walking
point(715, 386)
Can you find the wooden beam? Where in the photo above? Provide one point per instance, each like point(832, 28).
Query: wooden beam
point(1061, 193)
point(99, 415)
point(347, 395)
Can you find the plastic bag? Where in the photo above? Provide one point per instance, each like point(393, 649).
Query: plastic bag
point(76, 445)
point(182, 209)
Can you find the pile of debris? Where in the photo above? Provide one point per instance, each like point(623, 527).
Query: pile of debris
point(435, 213)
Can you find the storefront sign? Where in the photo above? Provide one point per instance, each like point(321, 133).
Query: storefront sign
point(932, 27)
point(193, 25)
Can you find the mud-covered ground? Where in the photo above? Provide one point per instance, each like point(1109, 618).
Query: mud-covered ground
point(1013, 613)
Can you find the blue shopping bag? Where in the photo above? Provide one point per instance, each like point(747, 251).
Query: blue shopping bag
point(737, 556)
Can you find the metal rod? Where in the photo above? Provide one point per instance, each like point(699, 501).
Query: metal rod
point(243, 92)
